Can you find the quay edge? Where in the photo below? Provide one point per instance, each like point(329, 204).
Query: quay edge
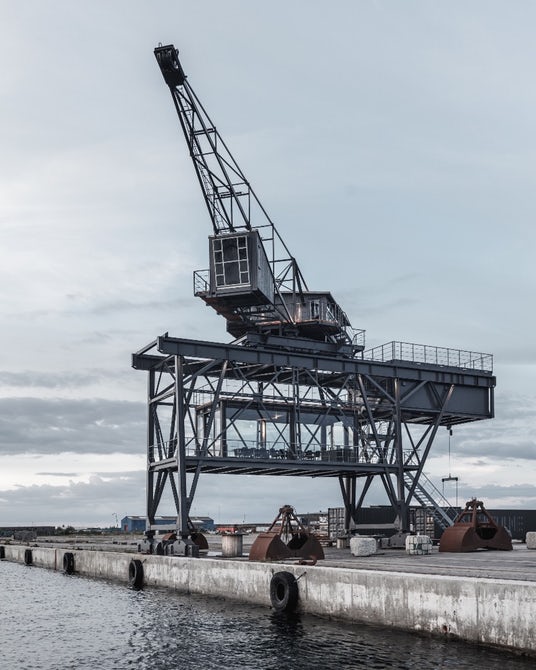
point(495, 612)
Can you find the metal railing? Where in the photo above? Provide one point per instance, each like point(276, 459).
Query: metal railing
point(357, 337)
point(431, 498)
point(279, 450)
point(201, 281)
point(429, 354)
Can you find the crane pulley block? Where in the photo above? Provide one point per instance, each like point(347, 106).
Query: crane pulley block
point(168, 59)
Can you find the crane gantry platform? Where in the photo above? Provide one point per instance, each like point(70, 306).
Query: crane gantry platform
point(296, 393)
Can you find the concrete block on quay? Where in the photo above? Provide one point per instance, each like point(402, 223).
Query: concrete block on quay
point(531, 540)
point(418, 545)
point(362, 546)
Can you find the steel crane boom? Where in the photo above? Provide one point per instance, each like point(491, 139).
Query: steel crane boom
point(253, 280)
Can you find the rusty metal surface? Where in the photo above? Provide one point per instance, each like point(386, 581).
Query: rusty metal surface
point(269, 547)
point(286, 538)
point(310, 549)
point(475, 529)
point(200, 540)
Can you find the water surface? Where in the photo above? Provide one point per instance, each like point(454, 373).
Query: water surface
point(53, 621)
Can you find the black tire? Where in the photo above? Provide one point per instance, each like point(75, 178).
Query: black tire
point(284, 592)
point(68, 563)
point(2, 553)
point(28, 557)
point(135, 574)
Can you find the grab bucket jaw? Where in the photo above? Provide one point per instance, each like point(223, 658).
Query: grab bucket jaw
point(269, 547)
point(200, 540)
point(286, 538)
point(475, 529)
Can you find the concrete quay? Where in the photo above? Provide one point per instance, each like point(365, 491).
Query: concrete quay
point(483, 597)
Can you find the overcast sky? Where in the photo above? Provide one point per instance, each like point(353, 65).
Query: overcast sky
point(392, 142)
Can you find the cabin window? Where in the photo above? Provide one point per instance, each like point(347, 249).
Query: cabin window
point(315, 309)
point(231, 261)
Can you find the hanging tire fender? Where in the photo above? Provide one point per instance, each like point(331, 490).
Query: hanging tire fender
point(135, 574)
point(28, 556)
point(284, 592)
point(68, 563)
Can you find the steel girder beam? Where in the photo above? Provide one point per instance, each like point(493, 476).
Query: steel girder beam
point(280, 358)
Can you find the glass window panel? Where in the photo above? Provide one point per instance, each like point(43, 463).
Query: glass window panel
point(230, 250)
point(231, 273)
point(231, 262)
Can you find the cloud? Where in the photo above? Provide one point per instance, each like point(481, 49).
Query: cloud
point(48, 426)
point(118, 306)
point(407, 192)
point(508, 449)
point(79, 504)
point(516, 496)
point(68, 475)
point(52, 380)
point(226, 498)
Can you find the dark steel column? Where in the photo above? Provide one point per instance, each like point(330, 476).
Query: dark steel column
point(180, 413)
point(402, 509)
point(149, 489)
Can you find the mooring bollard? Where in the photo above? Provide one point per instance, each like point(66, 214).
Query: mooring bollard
point(231, 545)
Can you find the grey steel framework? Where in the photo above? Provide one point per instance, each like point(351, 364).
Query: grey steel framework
point(253, 280)
point(233, 409)
point(298, 395)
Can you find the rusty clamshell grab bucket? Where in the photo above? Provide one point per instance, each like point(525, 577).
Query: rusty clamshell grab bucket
point(286, 538)
point(475, 529)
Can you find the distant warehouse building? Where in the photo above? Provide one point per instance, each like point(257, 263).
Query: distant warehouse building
point(136, 524)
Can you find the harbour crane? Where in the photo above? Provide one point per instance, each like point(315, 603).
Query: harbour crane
point(253, 279)
point(295, 394)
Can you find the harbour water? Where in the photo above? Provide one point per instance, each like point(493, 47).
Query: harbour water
point(54, 621)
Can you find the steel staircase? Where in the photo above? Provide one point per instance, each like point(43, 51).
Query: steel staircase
point(431, 499)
